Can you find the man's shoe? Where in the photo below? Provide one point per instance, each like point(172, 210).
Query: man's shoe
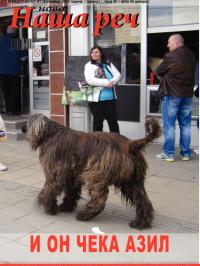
point(185, 158)
point(162, 156)
point(196, 151)
point(3, 167)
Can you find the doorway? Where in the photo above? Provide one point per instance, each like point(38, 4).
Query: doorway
point(14, 69)
point(39, 70)
point(157, 47)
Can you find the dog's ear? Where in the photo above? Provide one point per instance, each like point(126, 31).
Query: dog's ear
point(38, 127)
point(36, 131)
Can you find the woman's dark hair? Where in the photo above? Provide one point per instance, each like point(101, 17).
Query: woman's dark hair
point(103, 57)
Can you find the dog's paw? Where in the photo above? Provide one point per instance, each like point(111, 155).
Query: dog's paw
point(139, 225)
point(83, 216)
point(52, 211)
point(64, 208)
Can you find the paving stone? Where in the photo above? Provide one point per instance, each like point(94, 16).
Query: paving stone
point(27, 181)
point(181, 210)
point(10, 185)
point(3, 205)
point(3, 241)
point(39, 185)
point(11, 197)
point(38, 219)
point(9, 176)
point(179, 188)
point(24, 172)
point(14, 227)
point(28, 190)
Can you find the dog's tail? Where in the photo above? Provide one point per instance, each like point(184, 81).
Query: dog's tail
point(153, 131)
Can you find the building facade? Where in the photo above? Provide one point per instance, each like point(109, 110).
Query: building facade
point(135, 51)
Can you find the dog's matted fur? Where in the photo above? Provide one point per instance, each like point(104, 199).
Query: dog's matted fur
point(96, 160)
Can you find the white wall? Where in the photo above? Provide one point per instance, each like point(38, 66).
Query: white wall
point(130, 130)
point(79, 45)
point(78, 37)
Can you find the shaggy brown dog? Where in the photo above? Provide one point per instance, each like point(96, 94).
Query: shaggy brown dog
point(97, 160)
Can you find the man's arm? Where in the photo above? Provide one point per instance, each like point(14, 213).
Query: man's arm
point(165, 65)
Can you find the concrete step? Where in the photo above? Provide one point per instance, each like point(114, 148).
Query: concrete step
point(13, 126)
point(17, 135)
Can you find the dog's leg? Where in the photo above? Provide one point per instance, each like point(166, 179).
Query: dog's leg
point(96, 204)
point(72, 196)
point(47, 198)
point(136, 195)
point(144, 211)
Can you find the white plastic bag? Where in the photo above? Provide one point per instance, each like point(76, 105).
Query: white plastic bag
point(3, 136)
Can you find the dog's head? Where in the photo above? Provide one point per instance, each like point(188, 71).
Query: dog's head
point(35, 130)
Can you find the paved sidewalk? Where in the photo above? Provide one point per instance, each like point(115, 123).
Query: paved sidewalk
point(172, 187)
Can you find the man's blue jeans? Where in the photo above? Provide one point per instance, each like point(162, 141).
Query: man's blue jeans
point(176, 108)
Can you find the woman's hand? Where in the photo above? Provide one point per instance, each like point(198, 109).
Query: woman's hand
point(110, 84)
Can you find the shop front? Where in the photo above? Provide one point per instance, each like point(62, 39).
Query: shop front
point(164, 20)
point(38, 86)
point(123, 48)
point(136, 52)
point(31, 46)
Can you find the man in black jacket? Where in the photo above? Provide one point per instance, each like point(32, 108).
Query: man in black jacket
point(177, 83)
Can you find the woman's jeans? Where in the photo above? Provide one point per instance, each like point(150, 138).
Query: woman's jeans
point(180, 108)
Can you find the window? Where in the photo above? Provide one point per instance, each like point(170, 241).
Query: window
point(41, 94)
point(172, 12)
point(122, 45)
point(122, 48)
point(39, 69)
point(40, 60)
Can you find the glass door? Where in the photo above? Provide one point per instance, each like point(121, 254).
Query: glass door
point(39, 71)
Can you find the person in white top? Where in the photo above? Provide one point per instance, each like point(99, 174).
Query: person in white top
point(102, 74)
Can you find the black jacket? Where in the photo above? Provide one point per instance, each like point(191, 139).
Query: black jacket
point(177, 73)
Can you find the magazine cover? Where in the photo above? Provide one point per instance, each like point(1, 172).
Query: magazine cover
point(99, 132)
